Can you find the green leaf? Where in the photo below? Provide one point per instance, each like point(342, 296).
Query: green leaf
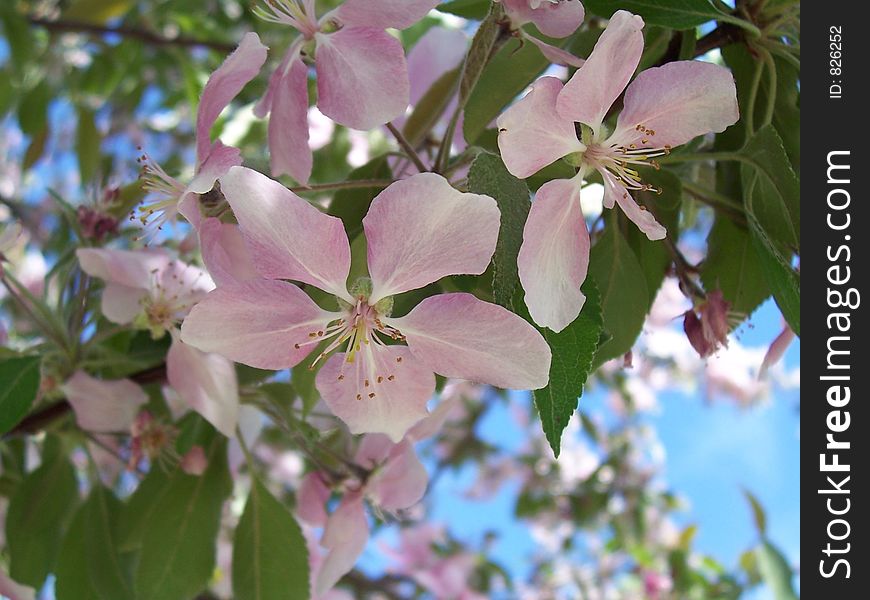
point(654, 257)
point(771, 194)
point(18, 35)
point(489, 176)
point(177, 556)
point(676, 14)
point(270, 558)
point(784, 281)
point(488, 38)
point(778, 210)
point(732, 265)
point(87, 145)
point(136, 512)
point(573, 351)
point(775, 571)
point(758, 515)
point(302, 378)
point(33, 109)
point(353, 204)
point(430, 108)
point(72, 572)
point(101, 544)
point(37, 514)
point(90, 565)
point(625, 297)
point(35, 149)
point(19, 384)
point(469, 9)
point(509, 72)
point(97, 11)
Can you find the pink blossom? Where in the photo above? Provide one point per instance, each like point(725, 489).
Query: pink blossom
point(664, 107)
point(707, 330)
point(212, 158)
point(362, 76)
point(553, 18)
point(445, 577)
point(194, 462)
point(418, 230)
point(777, 350)
point(13, 590)
point(151, 290)
point(397, 480)
point(103, 406)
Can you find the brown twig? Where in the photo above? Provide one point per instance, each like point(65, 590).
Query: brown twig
point(39, 420)
point(143, 35)
point(406, 146)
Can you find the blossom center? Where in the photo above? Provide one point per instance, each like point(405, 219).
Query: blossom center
point(299, 14)
point(622, 161)
point(168, 192)
point(361, 332)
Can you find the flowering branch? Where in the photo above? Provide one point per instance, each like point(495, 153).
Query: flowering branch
point(143, 35)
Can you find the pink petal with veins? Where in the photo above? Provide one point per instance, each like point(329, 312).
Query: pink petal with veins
point(591, 91)
point(287, 237)
point(103, 406)
point(259, 323)
point(531, 134)
point(362, 78)
point(457, 335)
point(554, 256)
point(385, 390)
point(421, 229)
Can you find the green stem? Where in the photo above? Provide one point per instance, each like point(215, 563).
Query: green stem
point(751, 29)
point(714, 197)
point(771, 92)
point(46, 321)
point(342, 185)
point(702, 156)
point(753, 98)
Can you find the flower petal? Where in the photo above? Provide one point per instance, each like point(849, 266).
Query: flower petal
point(219, 160)
point(421, 229)
point(121, 303)
point(289, 152)
point(394, 399)
point(457, 335)
point(555, 54)
point(207, 383)
point(312, 498)
point(103, 406)
point(438, 51)
point(532, 134)
point(553, 19)
point(554, 256)
point(401, 482)
point(383, 14)
point(224, 84)
point(345, 536)
point(257, 323)
point(614, 191)
point(589, 94)
point(678, 102)
point(13, 590)
point(776, 350)
point(133, 268)
point(362, 78)
point(224, 252)
point(287, 237)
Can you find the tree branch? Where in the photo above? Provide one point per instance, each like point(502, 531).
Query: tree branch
point(143, 35)
point(39, 420)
